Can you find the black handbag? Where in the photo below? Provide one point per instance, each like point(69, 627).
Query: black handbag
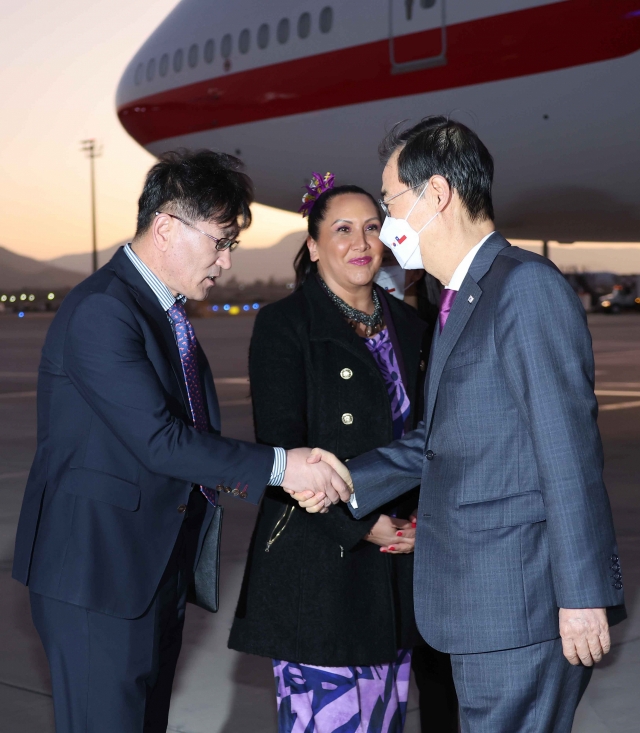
point(205, 590)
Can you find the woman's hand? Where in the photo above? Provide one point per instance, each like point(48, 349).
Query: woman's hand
point(394, 536)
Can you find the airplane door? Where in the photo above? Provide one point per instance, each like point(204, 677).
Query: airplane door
point(417, 34)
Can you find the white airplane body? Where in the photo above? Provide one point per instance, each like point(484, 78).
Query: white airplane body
point(551, 86)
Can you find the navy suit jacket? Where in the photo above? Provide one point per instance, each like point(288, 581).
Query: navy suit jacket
point(514, 519)
point(117, 456)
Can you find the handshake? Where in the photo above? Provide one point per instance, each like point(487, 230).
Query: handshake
point(316, 479)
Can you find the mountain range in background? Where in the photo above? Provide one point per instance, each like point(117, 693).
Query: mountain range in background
point(276, 263)
point(249, 265)
point(23, 273)
point(265, 263)
point(82, 262)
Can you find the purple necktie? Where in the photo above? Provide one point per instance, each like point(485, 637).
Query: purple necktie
point(446, 301)
point(188, 348)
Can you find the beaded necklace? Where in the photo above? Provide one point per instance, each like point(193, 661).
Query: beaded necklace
point(373, 323)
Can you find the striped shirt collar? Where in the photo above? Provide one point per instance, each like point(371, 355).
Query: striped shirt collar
point(165, 297)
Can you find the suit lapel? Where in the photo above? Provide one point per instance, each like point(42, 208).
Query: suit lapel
point(210, 395)
point(164, 333)
point(463, 307)
point(461, 311)
point(156, 317)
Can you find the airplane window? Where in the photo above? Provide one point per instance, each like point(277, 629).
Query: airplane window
point(164, 64)
point(244, 41)
point(151, 69)
point(226, 46)
point(209, 49)
point(193, 56)
point(178, 58)
point(304, 25)
point(139, 73)
point(326, 19)
point(283, 30)
point(263, 36)
point(428, 3)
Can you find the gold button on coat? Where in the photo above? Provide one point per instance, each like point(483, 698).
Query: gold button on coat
point(347, 418)
point(346, 373)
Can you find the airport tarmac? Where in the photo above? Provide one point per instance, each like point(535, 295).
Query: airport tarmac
point(221, 691)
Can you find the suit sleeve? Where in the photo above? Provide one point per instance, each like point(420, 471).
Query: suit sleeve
point(384, 474)
point(277, 372)
point(106, 360)
point(544, 347)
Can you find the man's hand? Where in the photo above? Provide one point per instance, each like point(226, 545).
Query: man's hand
point(314, 484)
point(394, 536)
point(318, 454)
point(585, 635)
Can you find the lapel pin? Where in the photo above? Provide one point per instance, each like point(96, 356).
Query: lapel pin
point(471, 299)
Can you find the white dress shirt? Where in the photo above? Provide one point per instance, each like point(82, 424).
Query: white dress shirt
point(463, 268)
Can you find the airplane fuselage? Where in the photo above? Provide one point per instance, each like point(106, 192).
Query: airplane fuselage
point(551, 87)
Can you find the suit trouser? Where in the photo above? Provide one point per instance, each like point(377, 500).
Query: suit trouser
point(532, 689)
point(112, 674)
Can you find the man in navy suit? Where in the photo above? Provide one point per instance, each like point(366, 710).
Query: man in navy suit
point(130, 455)
point(516, 556)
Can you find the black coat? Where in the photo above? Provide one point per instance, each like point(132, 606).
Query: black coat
point(321, 594)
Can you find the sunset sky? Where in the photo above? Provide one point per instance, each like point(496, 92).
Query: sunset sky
point(60, 63)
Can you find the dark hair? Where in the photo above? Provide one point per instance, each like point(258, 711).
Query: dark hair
point(440, 146)
point(198, 185)
point(302, 263)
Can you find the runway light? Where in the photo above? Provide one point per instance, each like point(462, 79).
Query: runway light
point(606, 303)
point(234, 310)
point(32, 298)
point(255, 306)
point(245, 308)
point(226, 306)
point(51, 296)
point(21, 314)
point(12, 299)
point(215, 308)
point(3, 298)
point(23, 296)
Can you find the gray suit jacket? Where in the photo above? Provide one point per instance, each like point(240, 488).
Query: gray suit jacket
point(514, 519)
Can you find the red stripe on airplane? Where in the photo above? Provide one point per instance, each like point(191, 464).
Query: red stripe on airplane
point(541, 39)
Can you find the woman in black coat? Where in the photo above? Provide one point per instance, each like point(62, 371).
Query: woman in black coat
point(327, 597)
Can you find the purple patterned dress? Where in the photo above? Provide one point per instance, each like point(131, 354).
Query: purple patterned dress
point(381, 348)
point(373, 699)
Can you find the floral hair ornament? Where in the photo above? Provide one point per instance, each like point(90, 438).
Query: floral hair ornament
point(317, 186)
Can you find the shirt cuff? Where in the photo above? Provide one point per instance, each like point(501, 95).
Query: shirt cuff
point(353, 502)
point(279, 467)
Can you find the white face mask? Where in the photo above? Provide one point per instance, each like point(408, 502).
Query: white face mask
point(391, 278)
point(403, 240)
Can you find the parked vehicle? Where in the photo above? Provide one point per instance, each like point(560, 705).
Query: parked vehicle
point(622, 297)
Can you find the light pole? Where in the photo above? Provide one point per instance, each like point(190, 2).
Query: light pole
point(93, 151)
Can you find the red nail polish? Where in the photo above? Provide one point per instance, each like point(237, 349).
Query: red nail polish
point(413, 524)
point(391, 548)
point(398, 534)
point(383, 549)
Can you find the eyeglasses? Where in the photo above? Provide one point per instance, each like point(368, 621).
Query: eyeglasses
point(384, 205)
point(221, 244)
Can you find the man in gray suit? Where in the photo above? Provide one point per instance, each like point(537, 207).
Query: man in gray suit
point(516, 557)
